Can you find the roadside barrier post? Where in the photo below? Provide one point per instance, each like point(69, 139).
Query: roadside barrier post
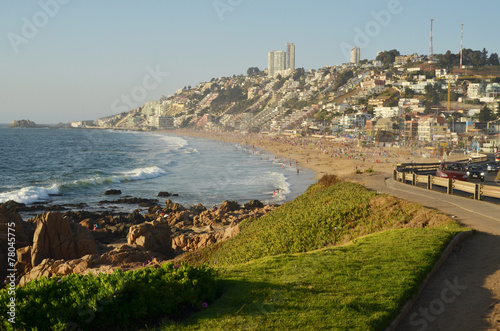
point(477, 192)
point(450, 186)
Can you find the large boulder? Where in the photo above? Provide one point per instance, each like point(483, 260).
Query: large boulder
point(228, 206)
point(252, 204)
point(154, 236)
point(171, 207)
point(57, 238)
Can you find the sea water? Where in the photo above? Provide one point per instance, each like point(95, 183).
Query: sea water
point(74, 166)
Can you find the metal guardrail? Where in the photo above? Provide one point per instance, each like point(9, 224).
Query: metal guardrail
point(478, 190)
point(425, 167)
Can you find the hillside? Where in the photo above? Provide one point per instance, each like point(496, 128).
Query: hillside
point(338, 257)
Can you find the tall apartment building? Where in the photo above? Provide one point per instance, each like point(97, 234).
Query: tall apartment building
point(355, 55)
point(290, 56)
point(276, 61)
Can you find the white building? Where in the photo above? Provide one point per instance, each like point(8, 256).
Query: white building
point(493, 90)
point(388, 112)
point(290, 56)
point(81, 124)
point(475, 90)
point(413, 104)
point(355, 55)
point(276, 61)
point(441, 73)
point(431, 126)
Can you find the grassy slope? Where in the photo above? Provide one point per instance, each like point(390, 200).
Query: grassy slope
point(319, 218)
point(284, 272)
point(357, 286)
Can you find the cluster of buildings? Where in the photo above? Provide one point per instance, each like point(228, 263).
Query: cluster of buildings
point(281, 63)
point(371, 100)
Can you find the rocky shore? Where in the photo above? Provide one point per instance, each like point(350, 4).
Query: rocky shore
point(57, 243)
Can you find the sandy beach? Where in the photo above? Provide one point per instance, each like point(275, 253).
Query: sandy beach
point(344, 158)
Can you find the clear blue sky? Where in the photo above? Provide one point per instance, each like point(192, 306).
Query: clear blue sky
point(77, 60)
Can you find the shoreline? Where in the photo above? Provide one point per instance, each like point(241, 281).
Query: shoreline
point(322, 155)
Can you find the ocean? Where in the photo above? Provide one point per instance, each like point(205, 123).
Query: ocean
point(75, 166)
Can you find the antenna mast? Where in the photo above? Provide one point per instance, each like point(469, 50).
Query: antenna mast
point(461, 43)
point(431, 48)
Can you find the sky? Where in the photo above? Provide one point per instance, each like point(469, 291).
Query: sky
point(73, 60)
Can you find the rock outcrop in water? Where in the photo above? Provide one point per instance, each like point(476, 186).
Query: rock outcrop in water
point(23, 124)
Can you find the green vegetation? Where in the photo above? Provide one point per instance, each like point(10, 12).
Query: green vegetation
point(252, 71)
point(342, 79)
point(274, 277)
point(359, 286)
point(298, 74)
point(121, 298)
point(387, 57)
point(486, 115)
point(320, 217)
point(337, 257)
point(324, 116)
point(294, 103)
point(279, 84)
point(469, 57)
point(243, 105)
point(227, 96)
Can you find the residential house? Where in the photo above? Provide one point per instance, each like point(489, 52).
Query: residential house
point(431, 126)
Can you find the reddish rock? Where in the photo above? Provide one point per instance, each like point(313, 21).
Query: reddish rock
point(153, 236)
point(57, 238)
point(227, 206)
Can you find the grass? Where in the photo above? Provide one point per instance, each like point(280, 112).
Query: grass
point(338, 257)
point(329, 213)
point(359, 286)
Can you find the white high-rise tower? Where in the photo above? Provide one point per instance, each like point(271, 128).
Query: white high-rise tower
point(275, 62)
point(355, 55)
point(290, 56)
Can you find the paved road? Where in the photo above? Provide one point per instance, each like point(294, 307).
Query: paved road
point(465, 292)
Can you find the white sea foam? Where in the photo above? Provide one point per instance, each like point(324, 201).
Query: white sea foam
point(126, 176)
point(33, 194)
point(174, 141)
point(281, 183)
point(30, 194)
point(141, 174)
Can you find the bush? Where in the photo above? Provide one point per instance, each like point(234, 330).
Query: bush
point(117, 299)
point(329, 180)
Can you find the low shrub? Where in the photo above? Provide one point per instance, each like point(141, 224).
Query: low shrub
point(118, 299)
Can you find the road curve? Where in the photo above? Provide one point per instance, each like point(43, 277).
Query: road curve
point(464, 294)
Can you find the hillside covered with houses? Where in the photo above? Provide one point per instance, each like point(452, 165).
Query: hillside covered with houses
point(399, 99)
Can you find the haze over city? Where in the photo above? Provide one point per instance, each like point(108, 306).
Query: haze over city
point(75, 60)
